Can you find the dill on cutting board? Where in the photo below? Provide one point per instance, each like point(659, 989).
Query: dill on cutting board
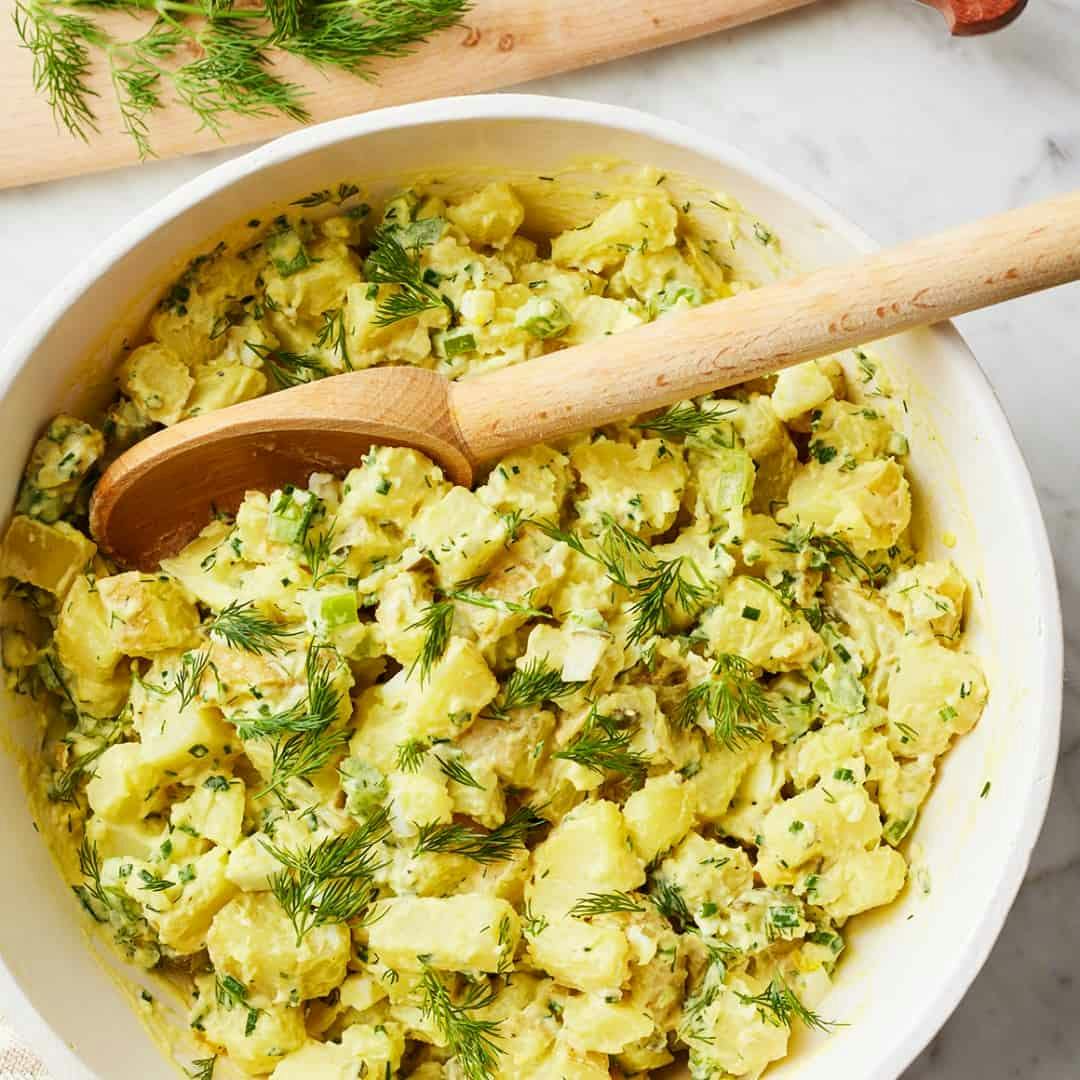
point(213, 57)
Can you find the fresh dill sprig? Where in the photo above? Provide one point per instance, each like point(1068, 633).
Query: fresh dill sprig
point(389, 263)
point(411, 753)
point(61, 44)
point(604, 904)
point(332, 882)
point(189, 676)
point(242, 626)
point(318, 554)
point(437, 622)
point(332, 335)
point(531, 923)
point(216, 56)
point(456, 771)
point(154, 883)
point(825, 549)
point(342, 193)
point(288, 368)
point(202, 1068)
point(534, 684)
point(229, 991)
point(470, 1039)
point(302, 754)
point(669, 901)
point(684, 420)
point(92, 892)
point(316, 712)
point(65, 782)
point(649, 610)
point(603, 746)
point(473, 843)
point(732, 700)
point(494, 603)
point(779, 1005)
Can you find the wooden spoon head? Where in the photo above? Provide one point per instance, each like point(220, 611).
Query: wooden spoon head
point(158, 495)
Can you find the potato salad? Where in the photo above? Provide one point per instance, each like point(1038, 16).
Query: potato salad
point(573, 775)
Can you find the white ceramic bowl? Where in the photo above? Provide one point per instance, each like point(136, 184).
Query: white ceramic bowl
point(906, 967)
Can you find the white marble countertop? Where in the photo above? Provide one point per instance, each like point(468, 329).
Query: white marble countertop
point(871, 105)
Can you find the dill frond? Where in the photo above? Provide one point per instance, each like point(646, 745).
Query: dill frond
point(456, 771)
point(332, 882)
point(669, 901)
point(649, 610)
point(534, 684)
point(242, 626)
point(410, 754)
point(288, 368)
point(389, 263)
point(318, 554)
point(65, 782)
point(470, 1039)
point(685, 420)
point(332, 335)
point(437, 622)
point(301, 755)
point(604, 904)
point(316, 712)
point(60, 43)
point(603, 746)
point(189, 676)
point(202, 1068)
point(732, 700)
point(473, 843)
point(779, 1005)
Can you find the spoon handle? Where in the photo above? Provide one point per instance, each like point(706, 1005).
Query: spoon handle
point(763, 330)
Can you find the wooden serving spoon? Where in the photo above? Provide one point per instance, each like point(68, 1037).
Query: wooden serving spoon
point(156, 496)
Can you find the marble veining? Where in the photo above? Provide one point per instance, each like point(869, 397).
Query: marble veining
point(870, 104)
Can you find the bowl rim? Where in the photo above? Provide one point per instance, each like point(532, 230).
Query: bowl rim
point(921, 1025)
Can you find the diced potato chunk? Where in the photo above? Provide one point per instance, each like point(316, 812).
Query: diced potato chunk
point(455, 933)
point(158, 381)
point(868, 506)
point(799, 389)
point(588, 851)
point(930, 598)
point(459, 534)
point(57, 465)
point(255, 1040)
point(934, 694)
point(751, 621)
point(148, 614)
point(659, 815)
point(252, 939)
point(490, 217)
point(859, 881)
point(124, 787)
point(49, 557)
point(392, 485)
point(639, 486)
point(219, 387)
point(593, 1024)
point(364, 1050)
point(646, 222)
point(582, 955)
point(182, 923)
point(83, 641)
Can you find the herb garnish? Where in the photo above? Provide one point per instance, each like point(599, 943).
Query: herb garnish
point(332, 882)
point(389, 263)
point(483, 847)
point(732, 700)
point(778, 1005)
point(604, 904)
point(213, 56)
point(241, 625)
point(685, 420)
point(470, 1039)
point(603, 745)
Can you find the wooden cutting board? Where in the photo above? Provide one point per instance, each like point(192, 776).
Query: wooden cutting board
point(502, 42)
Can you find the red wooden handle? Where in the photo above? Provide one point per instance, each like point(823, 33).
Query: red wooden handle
point(968, 17)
